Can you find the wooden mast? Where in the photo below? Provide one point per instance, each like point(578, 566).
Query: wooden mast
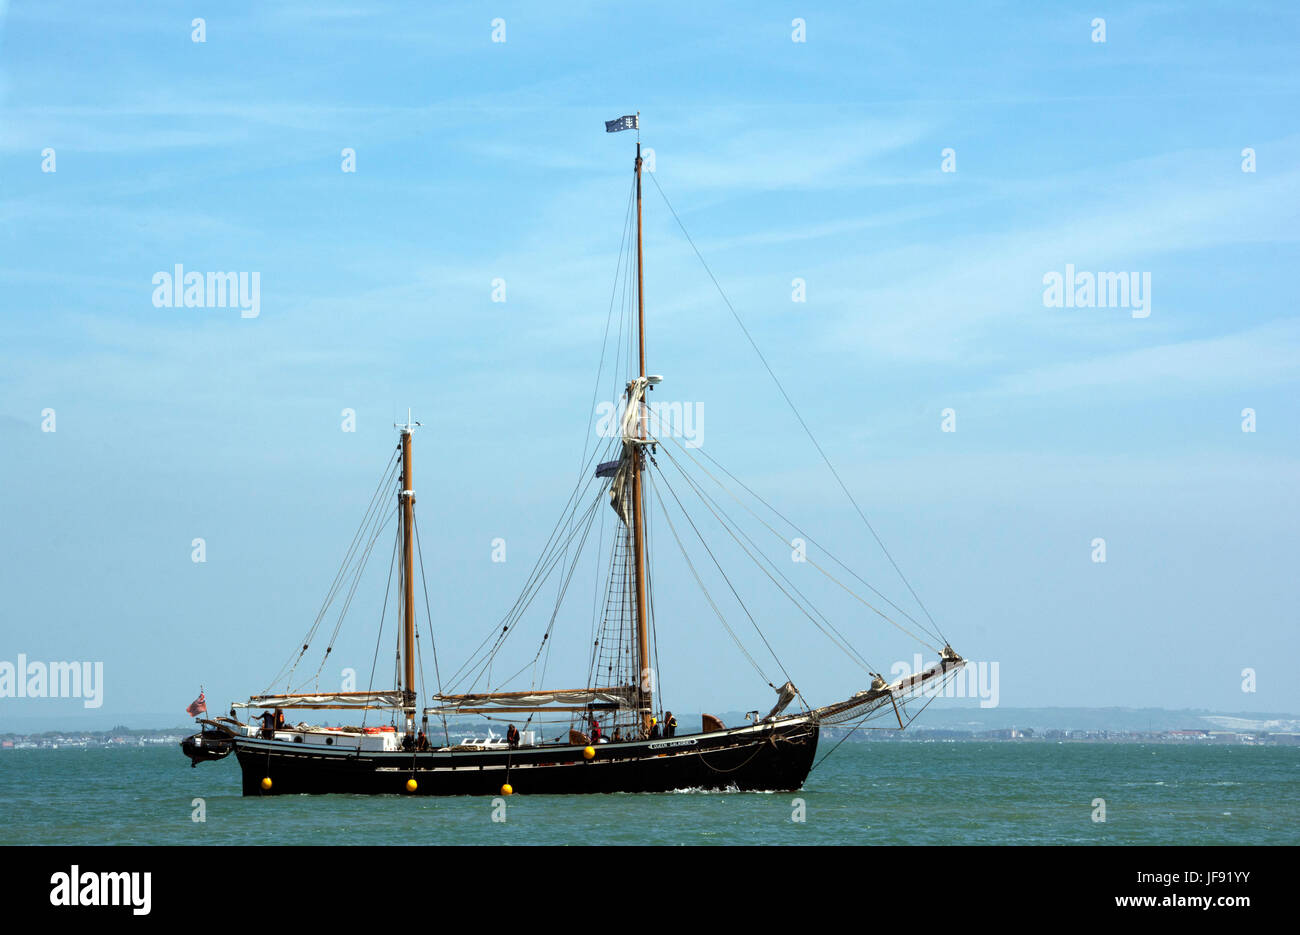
point(638, 532)
point(407, 497)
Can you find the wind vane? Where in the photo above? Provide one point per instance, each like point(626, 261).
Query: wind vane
point(406, 429)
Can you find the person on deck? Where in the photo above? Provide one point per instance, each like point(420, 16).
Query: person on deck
point(421, 742)
point(268, 724)
point(670, 725)
point(618, 735)
point(279, 719)
point(596, 735)
point(654, 729)
point(512, 737)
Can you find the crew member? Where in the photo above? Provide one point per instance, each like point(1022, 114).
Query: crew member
point(512, 737)
point(670, 725)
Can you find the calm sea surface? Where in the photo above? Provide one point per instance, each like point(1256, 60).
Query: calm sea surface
point(875, 793)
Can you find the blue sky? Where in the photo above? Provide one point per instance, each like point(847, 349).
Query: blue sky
point(819, 160)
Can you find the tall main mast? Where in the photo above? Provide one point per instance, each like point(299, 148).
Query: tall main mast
point(638, 532)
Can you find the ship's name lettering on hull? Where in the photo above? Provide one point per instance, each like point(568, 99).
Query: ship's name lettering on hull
point(675, 743)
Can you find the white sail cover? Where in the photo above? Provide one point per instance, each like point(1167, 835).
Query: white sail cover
point(629, 427)
point(382, 699)
point(623, 697)
point(620, 488)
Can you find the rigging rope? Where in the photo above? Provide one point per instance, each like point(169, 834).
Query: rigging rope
point(627, 224)
point(838, 639)
point(433, 643)
point(792, 406)
point(734, 592)
point(356, 581)
point(540, 572)
point(847, 589)
point(589, 519)
point(286, 671)
point(793, 526)
point(708, 597)
point(869, 716)
point(549, 561)
point(383, 614)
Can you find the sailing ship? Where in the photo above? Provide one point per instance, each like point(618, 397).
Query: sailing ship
point(611, 735)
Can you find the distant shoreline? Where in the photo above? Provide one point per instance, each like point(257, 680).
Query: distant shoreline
point(1015, 725)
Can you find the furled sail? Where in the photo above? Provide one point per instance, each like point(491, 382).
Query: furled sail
point(357, 700)
point(620, 491)
point(624, 697)
point(785, 694)
point(628, 424)
point(881, 694)
point(621, 470)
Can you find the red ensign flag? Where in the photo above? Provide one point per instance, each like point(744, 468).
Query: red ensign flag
point(200, 706)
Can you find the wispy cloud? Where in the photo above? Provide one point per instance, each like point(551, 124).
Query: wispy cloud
point(1254, 358)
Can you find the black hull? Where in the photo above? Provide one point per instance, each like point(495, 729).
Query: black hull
point(772, 757)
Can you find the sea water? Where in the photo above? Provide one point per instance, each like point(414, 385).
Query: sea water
point(865, 793)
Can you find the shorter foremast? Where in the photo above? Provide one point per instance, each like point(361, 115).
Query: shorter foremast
point(406, 503)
